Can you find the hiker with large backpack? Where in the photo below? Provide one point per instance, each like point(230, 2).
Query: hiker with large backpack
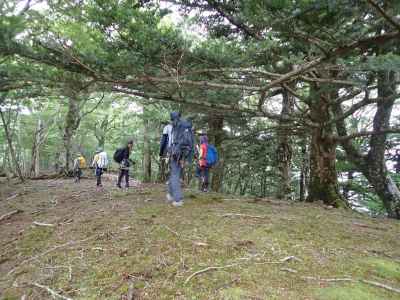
point(180, 151)
point(79, 164)
point(207, 158)
point(100, 162)
point(121, 156)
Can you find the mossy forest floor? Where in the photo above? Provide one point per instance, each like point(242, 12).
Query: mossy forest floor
point(130, 244)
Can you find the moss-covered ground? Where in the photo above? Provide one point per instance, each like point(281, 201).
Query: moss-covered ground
point(130, 244)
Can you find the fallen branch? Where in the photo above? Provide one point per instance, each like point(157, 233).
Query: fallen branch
point(373, 283)
point(43, 224)
point(170, 230)
point(208, 269)
point(242, 215)
point(10, 214)
point(327, 279)
point(289, 270)
point(368, 226)
point(50, 291)
point(381, 285)
point(12, 196)
point(292, 257)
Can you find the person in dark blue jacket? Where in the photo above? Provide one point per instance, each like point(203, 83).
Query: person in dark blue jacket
point(125, 164)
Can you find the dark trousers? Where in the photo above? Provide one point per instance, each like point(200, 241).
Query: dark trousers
point(99, 172)
point(77, 174)
point(123, 173)
point(203, 174)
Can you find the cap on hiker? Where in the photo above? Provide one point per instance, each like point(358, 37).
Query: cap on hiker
point(175, 115)
point(98, 150)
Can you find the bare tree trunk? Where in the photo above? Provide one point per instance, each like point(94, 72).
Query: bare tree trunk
point(323, 177)
point(216, 135)
point(373, 164)
point(146, 151)
point(284, 150)
point(304, 172)
point(37, 141)
point(72, 121)
point(11, 148)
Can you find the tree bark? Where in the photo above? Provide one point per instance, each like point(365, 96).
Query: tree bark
point(72, 121)
point(11, 148)
point(373, 164)
point(304, 171)
point(216, 137)
point(284, 150)
point(323, 177)
point(35, 156)
point(146, 151)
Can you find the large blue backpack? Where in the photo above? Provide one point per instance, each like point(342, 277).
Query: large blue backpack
point(212, 156)
point(182, 140)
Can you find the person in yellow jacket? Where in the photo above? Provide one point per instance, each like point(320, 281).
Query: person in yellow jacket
point(79, 164)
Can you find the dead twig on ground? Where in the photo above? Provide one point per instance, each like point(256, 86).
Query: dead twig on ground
point(368, 226)
point(292, 257)
point(327, 279)
point(289, 270)
point(373, 283)
point(50, 291)
point(381, 285)
point(10, 214)
point(12, 197)
point(243, 215)
point(207, 270)
point(170, 230)
point(43, 224)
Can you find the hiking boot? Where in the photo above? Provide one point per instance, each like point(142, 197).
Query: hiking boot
point(119, 186)
point(177, 204)
point(169, 198)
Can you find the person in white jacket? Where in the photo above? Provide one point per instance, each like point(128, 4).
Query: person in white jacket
point(100, 162)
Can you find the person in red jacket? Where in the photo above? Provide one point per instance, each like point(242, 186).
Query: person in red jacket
point(202, 167)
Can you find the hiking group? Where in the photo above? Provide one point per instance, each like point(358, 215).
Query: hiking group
point(177, 147)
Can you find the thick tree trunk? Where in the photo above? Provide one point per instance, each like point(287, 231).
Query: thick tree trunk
point(373, 164)
point(11, 148)
point(146, 151)
point(377, 173)
point(216, 136)
point(72, 121)
point(284, 150)
point(323, 177)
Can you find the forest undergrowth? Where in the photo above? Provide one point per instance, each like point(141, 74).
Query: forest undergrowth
point(71, 241)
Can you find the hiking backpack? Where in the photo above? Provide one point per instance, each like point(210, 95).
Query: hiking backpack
point(81, 162)
point(182, 140)
point(211, 156)
point(102, 161)
point(118, 155)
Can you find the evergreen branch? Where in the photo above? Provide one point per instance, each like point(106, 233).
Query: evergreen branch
point(384, 14)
